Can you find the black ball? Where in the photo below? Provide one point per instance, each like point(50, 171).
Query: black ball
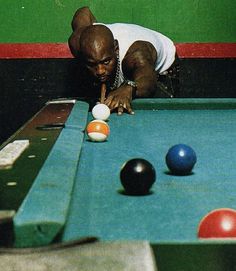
point(137, 176)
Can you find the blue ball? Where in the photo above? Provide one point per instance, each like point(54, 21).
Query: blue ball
point(180, 159)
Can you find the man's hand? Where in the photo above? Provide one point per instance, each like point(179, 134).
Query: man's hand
point(120, 99)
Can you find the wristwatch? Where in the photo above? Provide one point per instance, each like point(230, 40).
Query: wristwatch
point(133, 84)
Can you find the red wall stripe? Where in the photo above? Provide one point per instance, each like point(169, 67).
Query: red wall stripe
point(34, 50)
point(61, 50)
point(206, 50)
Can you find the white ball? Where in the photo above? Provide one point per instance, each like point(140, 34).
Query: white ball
point(101, 112)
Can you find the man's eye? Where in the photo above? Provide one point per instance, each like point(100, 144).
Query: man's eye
point(106, 62)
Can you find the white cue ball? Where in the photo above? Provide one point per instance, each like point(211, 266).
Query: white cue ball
point(101, 112)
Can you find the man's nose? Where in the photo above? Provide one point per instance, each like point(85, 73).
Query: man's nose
point(100, 69)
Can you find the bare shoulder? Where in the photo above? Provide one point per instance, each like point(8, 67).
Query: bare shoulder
point(82, 17)
point(140, 53)
point(73, 41)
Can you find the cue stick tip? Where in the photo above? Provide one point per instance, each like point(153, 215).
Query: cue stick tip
point(103, 93)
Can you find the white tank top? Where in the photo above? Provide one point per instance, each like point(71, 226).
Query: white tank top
point(127, 34)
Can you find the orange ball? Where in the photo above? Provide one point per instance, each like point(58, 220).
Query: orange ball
point(98, 130)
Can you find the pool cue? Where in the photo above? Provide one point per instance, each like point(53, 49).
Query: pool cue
point(103, 93)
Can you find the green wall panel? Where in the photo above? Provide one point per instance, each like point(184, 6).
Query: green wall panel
point(182, 20)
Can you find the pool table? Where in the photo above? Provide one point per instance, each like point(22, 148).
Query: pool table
point(74, 191)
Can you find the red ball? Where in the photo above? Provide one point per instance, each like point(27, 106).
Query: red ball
point(219, 223)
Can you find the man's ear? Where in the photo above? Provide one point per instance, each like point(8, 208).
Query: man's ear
point(116, 46)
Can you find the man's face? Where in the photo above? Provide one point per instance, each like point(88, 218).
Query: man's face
point(101, 61)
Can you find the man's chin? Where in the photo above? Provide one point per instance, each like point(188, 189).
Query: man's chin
point(102, 80)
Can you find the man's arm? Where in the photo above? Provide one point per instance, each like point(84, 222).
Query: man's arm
point(138, 65)
point(82, 18)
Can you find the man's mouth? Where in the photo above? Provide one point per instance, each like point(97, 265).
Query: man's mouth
point(103, 78)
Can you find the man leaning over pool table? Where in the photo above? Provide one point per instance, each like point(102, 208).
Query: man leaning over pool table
point(132, 61)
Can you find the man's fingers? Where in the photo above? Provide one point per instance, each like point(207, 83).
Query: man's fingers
point(120, 109)
point(108, 102)
point(129, 109)
point(119, 106)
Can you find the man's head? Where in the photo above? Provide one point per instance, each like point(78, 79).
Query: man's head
point(99, 52)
